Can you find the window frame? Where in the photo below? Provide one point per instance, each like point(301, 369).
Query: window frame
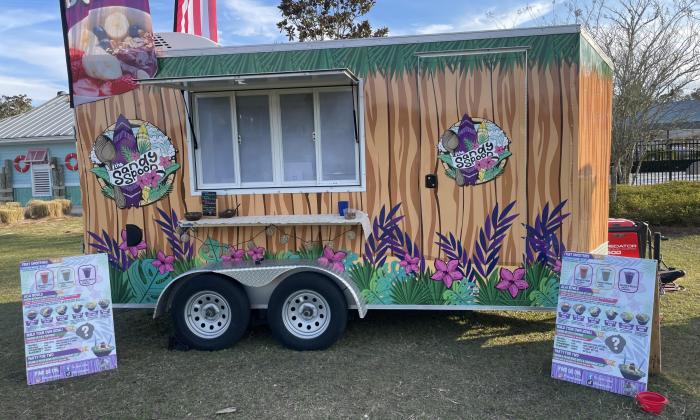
point(278, 185)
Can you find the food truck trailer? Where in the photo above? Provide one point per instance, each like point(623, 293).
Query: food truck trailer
point(463, 166)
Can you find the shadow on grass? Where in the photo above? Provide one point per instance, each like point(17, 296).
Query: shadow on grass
point(391, 364)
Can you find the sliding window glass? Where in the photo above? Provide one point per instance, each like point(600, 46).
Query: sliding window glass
point(215, 166)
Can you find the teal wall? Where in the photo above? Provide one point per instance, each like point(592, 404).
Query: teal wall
point(22, 182)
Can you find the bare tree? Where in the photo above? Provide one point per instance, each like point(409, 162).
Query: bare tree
point(655, 49)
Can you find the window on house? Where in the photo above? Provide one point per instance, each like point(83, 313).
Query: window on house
point(37, 156)
point(286, 138)
point(41, 180)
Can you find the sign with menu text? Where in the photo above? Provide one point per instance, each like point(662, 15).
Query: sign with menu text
point(67, 317)
point(603, 325)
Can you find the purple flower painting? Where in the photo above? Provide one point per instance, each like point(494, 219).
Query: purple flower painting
point(164, 263)
point(512, 281)
point(133, 250)
point(149, 179)
point(332, 259)
point(410, 264)
point(256, 253)
point(234, 255)
point(447, 272)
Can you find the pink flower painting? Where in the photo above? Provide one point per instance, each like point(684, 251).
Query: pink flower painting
point(164, 263)
point(447, 272)
point(149, 179)
point(332, 259)
point(165, 161)
point(512, 281)
point(485, 163)
point(256, 253)
point(410, 264)
point(234, 255)
point(133, 250)
point(557, 266)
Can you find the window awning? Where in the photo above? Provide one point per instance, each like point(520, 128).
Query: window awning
point(36, 156)
point(337, 77)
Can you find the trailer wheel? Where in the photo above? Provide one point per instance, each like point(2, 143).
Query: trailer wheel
point(307, 312)
point(210, 313)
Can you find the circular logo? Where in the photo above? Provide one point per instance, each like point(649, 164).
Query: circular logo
point(473, 151)
point(134, 162)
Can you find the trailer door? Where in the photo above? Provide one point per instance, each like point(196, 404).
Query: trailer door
point(489, 87)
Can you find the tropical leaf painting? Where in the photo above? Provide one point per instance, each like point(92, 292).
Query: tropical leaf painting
point(461, 293)
point(391, 270)
point(409, 292)
point(146, 281)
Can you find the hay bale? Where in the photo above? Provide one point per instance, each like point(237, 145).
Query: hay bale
point(55, 208)
point(37, 209)
point(64, 204)
point(9, 215)
point(13, 204)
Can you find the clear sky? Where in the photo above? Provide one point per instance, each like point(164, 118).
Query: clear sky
point(32, 55)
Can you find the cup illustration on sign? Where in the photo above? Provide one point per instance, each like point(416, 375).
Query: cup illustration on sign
point(582, 275)
point(31, 315)
point(65, 277)
point(44, 280)
point(605, 280)
point(628, 280)
point(87, 275)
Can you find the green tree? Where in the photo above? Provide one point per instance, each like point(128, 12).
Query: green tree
point(317, 20)
point(14, 105)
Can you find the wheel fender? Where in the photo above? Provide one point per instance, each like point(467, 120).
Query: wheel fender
point(263, 276)
point(347, 287)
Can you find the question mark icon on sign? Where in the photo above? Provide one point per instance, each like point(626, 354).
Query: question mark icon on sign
point(85, 331)
point(615, 343)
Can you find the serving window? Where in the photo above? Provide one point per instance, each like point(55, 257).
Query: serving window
point(285, 139)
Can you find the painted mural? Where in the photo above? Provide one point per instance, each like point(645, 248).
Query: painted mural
point(473, 151)
point(134, 162)
point(391, 271)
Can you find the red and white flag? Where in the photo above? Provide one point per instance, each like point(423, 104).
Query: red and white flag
point(197, 17)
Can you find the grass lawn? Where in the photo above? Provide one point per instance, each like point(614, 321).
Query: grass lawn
point(390, 365)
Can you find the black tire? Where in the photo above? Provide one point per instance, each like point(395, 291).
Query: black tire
point(336, 311)
point(236, 306)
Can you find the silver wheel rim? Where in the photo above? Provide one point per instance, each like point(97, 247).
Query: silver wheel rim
point(208, 314)
point(306, 314)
